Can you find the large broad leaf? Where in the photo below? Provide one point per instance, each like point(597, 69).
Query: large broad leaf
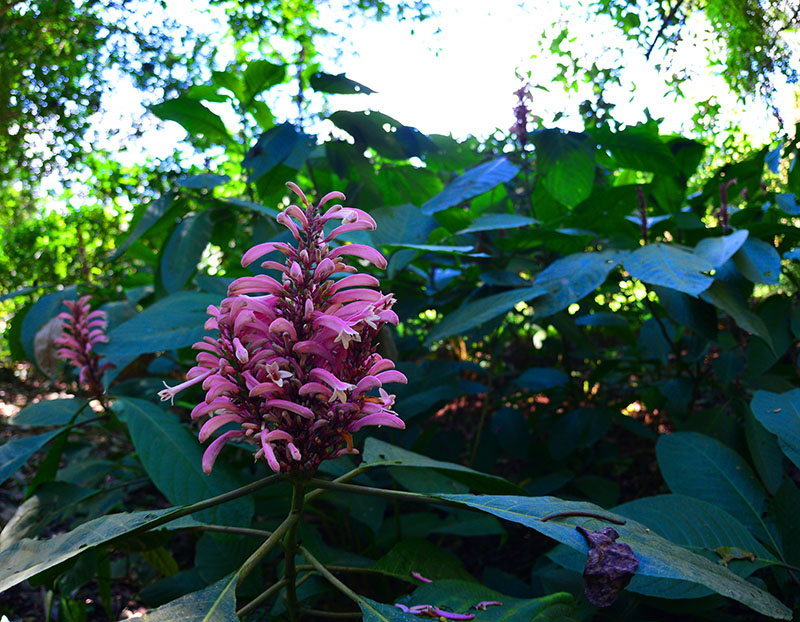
point(726, 297)
point(15, 453)
point(419, 555)
point(759, 262)
point(472, 183)
point(699, 466)
point(50, 412)
point(692, 524)
point(476, 312)
point(378, 612)
point(780, 414)
point(402, 224)
point(377, 454)
point(571, 278)
point(719, 250)
point(282, 144)
point(184, 250)
point(173, 322)
point(259, 76)
point(216, 603)
point(26, 558)
point(639, 148)
point(172, 457)
point(194, 117)
point(47, 307)
point(670, 266)
point(204, 181)
point(490, 222)
point(657, 556)
point(154, 211)
point(338, 84)
point(382, 133)
point(461, 597)
point(566, 163)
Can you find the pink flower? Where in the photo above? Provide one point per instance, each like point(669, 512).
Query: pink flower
point(82, 330)
point(293, 363)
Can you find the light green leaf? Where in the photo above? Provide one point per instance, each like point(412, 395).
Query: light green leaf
point(566, 163)
point(657, 556)
point(172, 456)
point(259, 76)
point(490, 222)
point(477, 312)
point(15, 453)
point(173, 322)
point(216, 603)
point(184, 250)
point(780, 414)
point(154, 211)
point(25, 558)
point(759, 262)
point(50, 412)
point(699, 466)
point(378, 453)
point(402, 224)
point(719, 250)
point(472, 183)
point(194, 117)
point(670, 266)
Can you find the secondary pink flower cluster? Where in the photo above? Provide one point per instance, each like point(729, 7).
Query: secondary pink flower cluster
point(82, 330)
point(294, 365)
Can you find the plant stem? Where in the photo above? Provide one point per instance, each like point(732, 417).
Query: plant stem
point(290, 550)
point(330, 576)
point(261, 598)
point(400, 495)
point(608, 519)
point(485, 409)
point(250, 564)
point(339, 480)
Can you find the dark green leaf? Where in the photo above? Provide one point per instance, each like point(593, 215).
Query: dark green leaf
point(206, 181)
point(184, 250)
point(566, 163)
point(282, 144)
point(491, 222)
point(759, 262)
point(152, 214)
point(731, 301)
point(719, 250)
point(172, 456)
point(403, 224)
point(670, 266)
point(657, 556)
point(14, 453)
point(216, 603)
point(780, 414)
point(50, 412)
point(378, 612)
point(472, 183)
point(539, 379)
point(477, 312)
point(259, 76)
point(419, 555)
point(337, 84)
point(765, 452)
point(382, 133)
point(194, 117)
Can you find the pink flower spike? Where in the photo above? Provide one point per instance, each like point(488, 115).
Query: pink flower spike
point(359, 225)
point(263, 388)
point(381, 418)
point(339, 387)
point(296, 212)
point(276, 435)
point(170, 392)
point(488, 603)
point(360, 250)
point(315, 388)
point(214, 424)
point(259, 250)
point(447, 615)
point(419, 577)
point(297, 409)
point(367, 383)
point(282, 325)
point(381, 365)
point(402, 608)
point(269, 453)
point(329, 197)
point(294, 188)
point(203, 408)
point(254, 285)
point(324, 269)
point(354, 280)
point(344, 333)
point(211, 453)
point(350, 295)
point(293, 451)
point(391, 375)
point(242, 354)
point(283, 218)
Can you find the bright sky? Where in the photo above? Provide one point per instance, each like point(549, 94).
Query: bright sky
point(456, 73)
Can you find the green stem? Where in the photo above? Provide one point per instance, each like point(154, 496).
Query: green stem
point(400, 495)
point(290, 549)
point(339, 480)
point(261, 598)
point(330, 576)
point(259, 554)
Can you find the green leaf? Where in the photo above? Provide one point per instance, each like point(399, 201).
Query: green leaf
point(194, 117)
point(378, 612)
point(759, 262)
point(15, 453)
point(403, 224)
point(386, 135)
point(172, 456)
point(571, 278)
point(419, 555)
point(719, 250)
point(27, 558)
point(670, 266)
point(477, 312)
point(259, 76)
point(687, 522)
point(657, 556)
point(337, 84)
point(765, 452)
point(730, 300)
point(699, 466)
point(184, 250)
point(152, 214)
point(639, 148)
point(566, 162)
point(205, 181)
point(42, 311)
point(780, 414)
point(51, 412)
point(491, 222)
point(173, 322)
point(378, 453)
point(472, 183)
point(216, 603)
point(461, 597)
point(282, 144)
point(540, 379)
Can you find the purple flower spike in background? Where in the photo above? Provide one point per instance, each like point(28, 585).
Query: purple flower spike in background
point(82, 330)
point(294, 364)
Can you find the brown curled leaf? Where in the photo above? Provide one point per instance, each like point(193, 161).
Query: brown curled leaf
point(609, 567)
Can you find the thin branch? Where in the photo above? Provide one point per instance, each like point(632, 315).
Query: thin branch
point(664, 25)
